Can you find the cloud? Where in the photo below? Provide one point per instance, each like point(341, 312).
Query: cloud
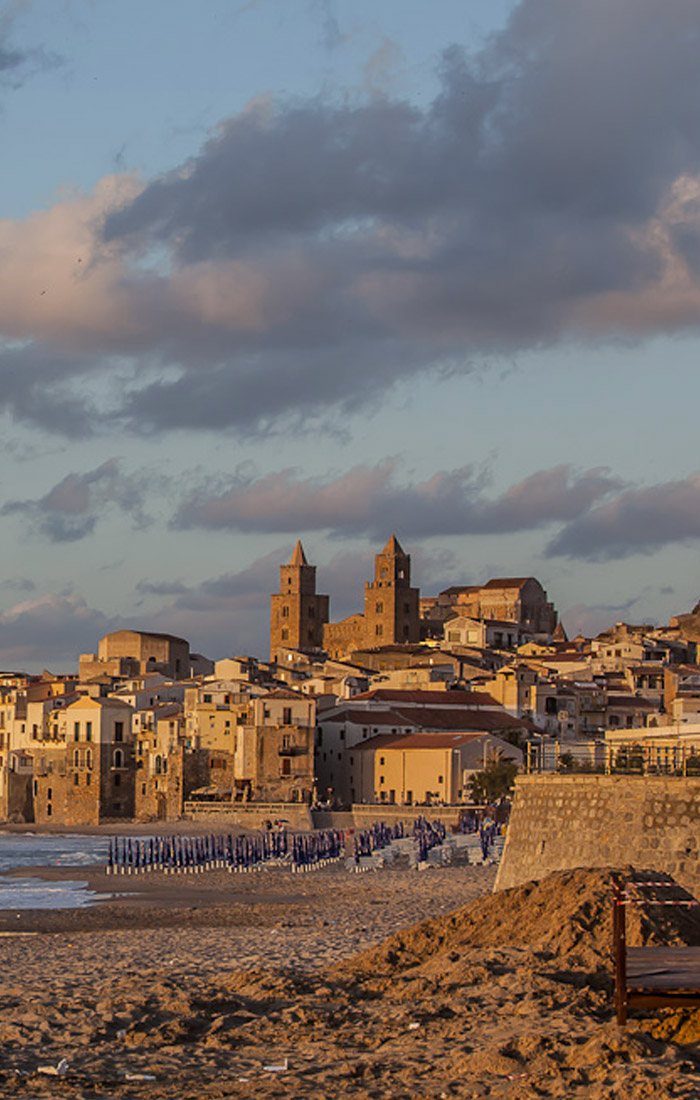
point(637, 521)
point(50, 629)
point(313, 254)
point(372, 501)
point(591, 620)
point(17, 65)
point(71, 509)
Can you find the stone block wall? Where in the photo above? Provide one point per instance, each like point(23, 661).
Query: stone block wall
point(562, 822)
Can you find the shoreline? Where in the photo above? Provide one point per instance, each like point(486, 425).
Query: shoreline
point(126, 828)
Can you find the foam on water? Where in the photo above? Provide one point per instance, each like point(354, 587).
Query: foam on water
point(37, 893)
point(32, 850)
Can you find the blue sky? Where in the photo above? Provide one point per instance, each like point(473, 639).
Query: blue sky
point(335, 268)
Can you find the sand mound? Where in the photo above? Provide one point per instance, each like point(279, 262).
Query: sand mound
point(508, 998)
point(568, 913)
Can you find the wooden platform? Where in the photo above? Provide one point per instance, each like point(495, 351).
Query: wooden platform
point(651, 977)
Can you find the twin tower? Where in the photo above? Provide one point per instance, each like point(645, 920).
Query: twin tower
point(299, 619)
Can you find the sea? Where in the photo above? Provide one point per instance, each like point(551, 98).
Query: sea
point(33, 850)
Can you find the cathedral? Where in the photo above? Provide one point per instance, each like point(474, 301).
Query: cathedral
point(300, 616)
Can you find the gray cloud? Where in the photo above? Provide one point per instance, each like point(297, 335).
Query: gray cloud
point(638, 521)
point(317, 253)
point(50, 629)
point(591, 620)
point(370, 501)
point(71, 509)
point(18, 64)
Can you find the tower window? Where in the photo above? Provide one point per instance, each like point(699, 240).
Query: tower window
point(285, 634)
point(285, 612)
point(379, 630)
point(380, 608)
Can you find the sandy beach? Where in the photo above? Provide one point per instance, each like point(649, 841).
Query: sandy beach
point(329, 985)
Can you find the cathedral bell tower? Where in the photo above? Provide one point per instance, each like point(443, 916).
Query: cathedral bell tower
point(297, 612)
point(391, 605)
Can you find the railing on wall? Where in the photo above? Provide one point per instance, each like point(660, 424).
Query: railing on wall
point(621, 758)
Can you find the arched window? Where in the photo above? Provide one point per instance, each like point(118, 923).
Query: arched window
point(159, 765)
point(118, 758)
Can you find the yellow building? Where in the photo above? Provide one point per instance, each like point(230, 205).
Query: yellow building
point(422, 767)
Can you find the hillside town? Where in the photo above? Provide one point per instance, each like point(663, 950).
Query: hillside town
point(401, 704)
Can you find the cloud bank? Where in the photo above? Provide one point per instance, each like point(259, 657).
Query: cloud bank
point(311, 255)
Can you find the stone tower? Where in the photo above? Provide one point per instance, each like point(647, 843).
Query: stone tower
point(391, 605)
point(297, 612)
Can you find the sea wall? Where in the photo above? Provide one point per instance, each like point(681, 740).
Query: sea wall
point(251, 815)
point(561, 822)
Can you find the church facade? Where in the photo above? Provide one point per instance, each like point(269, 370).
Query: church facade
point(300, 617)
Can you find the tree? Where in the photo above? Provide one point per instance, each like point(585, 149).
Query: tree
point(495, 780)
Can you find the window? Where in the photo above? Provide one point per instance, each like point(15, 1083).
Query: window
point(76, 780)
point(285, 634)
point(379, 630)
point(286, 766)
point(286, 716)
point(117, 780)
point(312, 613)
point(143, 788)
point(76, 731)
point(118, 731)
point(380, 607)
point(88, 731)
point(285, 612)
point(159, 765)
point(88, 758)
point(76, 758)
point(88, 779)
point(118, 758)
point(207, 698)
point(381, 759)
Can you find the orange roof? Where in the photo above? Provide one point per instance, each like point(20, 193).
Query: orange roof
point(429, 698)
point(419, 741)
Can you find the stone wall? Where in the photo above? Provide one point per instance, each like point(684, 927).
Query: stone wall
point(253, 815)
point(562, 822)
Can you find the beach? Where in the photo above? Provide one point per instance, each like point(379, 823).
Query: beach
point(327, 984)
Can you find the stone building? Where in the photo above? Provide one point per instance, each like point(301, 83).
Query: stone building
point(298, 613)
point(130, 652)
point(514, 600)
point(159, 746)
point(391, 613)
point(87, 775)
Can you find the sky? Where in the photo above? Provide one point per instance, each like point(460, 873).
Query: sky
point(333, 270)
